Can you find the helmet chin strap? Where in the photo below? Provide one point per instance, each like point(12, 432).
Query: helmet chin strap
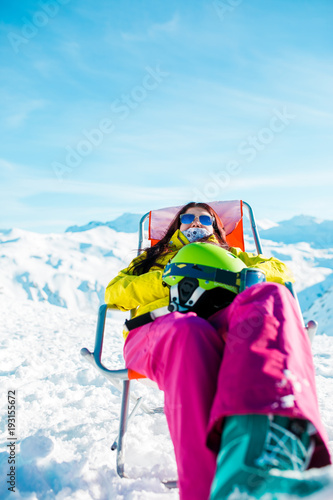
point(188, 296)
point(185, 294)
point(196, 233)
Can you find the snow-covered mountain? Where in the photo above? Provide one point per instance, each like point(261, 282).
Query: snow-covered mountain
point(126, 223)
point(318, 233)
point(68, 270)
point(72, 269)
point(305, 244)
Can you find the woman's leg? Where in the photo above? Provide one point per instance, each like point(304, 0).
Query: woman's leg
point(266, 392)
point(182, 353)
point(267, 366)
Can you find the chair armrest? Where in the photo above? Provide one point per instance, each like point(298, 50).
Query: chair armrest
point(311, 326)
point(94, 358)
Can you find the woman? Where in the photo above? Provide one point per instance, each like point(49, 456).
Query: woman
point(245, 373)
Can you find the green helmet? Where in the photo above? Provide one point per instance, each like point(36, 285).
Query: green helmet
point(205, 277)
point(206, 258)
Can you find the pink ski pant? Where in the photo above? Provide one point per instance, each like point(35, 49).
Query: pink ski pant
point(252, 357)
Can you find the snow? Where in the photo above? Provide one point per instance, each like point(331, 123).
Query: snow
point(70, 270)
point(266, 224)
point(67, 414)
point(317, 232)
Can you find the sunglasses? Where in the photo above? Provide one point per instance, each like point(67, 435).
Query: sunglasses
point(205, 220)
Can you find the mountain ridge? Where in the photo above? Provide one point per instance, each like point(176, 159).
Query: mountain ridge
point(125, 223)
point(302, 228)
point(72, 269)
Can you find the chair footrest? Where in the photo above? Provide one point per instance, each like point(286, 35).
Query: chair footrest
point(170, 484)
point(158, 409)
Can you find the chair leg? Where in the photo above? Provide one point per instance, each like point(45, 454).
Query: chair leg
point(123, 428)
point(137, 405)
point(124, 419)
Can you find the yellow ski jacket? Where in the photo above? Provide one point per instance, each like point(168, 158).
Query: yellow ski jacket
point(145, 292)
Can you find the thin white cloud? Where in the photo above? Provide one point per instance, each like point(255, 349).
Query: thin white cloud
point(167, 27)
point(117, 191)
point(154, 30)
point(311, 179)
point(22, 110)
point(21, 187)
point(241, 182)
point(6, 166)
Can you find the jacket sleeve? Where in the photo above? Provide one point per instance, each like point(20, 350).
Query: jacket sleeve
point(127, 291)
point(274, 269)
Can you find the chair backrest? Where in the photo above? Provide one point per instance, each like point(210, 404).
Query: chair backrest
point(230, 212)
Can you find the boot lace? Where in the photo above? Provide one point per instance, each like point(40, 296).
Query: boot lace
point(284, 450)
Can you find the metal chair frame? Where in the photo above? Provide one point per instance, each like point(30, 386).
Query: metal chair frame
point(120, 378)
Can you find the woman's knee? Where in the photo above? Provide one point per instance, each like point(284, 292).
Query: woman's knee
point(190, 331)
point(189, 323)
point(265, 291)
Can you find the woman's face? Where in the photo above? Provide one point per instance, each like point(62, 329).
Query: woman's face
point(197, 211)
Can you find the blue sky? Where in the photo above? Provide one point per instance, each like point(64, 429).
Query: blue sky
point(123, 106)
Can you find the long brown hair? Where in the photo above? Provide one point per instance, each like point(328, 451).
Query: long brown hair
point(162, 246)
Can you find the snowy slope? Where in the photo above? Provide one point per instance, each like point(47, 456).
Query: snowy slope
point(312, 269)
point(70, 270)
point(67, 414)
point(317, 232)
point(305, 244)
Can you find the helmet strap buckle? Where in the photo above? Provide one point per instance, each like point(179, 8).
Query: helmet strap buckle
point(184, 295)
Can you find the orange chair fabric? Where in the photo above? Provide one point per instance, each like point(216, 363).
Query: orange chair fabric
point(230, 212)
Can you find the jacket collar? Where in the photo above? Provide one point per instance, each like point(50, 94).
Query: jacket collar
point(178, 240)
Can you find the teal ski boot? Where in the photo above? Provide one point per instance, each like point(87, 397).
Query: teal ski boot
point(264, 454)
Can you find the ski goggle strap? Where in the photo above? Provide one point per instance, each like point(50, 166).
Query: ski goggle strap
point(251, 277)
point(205, 220)
point(242, 280)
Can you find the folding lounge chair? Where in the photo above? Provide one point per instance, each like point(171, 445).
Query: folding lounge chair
point(231, 213)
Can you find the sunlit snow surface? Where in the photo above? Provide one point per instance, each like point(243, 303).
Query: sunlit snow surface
point(67, 414)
